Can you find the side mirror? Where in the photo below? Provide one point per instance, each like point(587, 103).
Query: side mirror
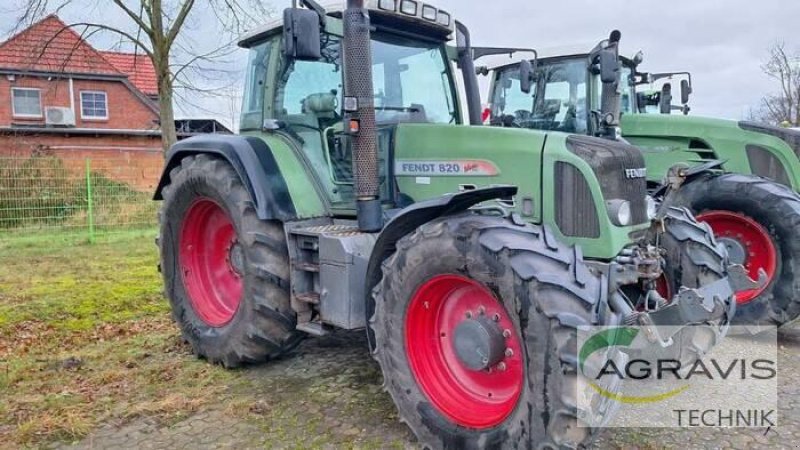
point(638, 58)
point(526, 76)
point(665, 105)
point(301, 34)
point(609, 66)
point(686, 91)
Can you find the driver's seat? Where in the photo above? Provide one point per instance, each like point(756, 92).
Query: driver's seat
point(319, 113)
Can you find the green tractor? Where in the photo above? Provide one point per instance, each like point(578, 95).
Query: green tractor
point(748, 198)
point(355, 197)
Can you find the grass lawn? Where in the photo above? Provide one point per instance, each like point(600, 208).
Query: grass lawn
point(86, 338)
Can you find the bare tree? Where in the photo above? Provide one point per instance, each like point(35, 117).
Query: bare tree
point(155, 28)
point(783, 107)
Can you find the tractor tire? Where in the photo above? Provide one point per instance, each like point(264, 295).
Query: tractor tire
point(757, 219)
point(226, 271)
point(693, 259)
point(452, 277)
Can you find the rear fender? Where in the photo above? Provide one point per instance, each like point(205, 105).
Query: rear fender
point(411, 218)
point(253, 161)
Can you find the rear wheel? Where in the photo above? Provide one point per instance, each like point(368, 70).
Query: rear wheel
point(757, 220)
point(476, 333)
point(225, 271)
point(748, 243)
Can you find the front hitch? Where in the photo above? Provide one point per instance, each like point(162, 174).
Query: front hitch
point(714, 303)
point(741, 281)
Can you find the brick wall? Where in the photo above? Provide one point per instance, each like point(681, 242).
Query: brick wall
point(134, 160)
point(125, 109)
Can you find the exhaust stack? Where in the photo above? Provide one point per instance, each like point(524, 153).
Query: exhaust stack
point(359, 110)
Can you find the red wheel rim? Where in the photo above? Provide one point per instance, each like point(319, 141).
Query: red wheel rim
point(664, 287)
point(210, 261)
point(759, 251)
point(476, 399)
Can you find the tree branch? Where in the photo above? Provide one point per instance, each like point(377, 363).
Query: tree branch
point(135, 17)
point(134, 40)
point(179, 21)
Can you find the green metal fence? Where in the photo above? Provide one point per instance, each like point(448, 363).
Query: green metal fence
point(46, 197)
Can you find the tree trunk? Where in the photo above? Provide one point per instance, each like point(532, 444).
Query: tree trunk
point(797, 109)
point(168, 134)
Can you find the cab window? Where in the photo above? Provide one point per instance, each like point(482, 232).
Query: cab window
point(255, 84)
point(412, 84)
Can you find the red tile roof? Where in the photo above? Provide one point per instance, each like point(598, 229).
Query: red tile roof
point(51, 46)
point(139, 69)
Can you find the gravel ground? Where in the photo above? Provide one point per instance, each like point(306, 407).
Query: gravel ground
point(328, 395)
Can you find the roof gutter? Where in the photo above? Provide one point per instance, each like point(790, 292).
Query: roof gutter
point(75, 75)
point(77, 131)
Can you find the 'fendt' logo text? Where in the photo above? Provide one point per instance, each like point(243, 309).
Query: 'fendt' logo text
point(635, 173)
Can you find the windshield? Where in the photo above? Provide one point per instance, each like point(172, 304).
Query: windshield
point(411, 83)
point(557, 101)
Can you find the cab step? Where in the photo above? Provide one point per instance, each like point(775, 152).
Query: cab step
point(307, 267)
point(308, 297)
point(313, 328)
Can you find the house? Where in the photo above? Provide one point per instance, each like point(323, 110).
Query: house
point(61, 96)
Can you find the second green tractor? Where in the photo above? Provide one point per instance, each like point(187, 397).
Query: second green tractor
point(740, 178)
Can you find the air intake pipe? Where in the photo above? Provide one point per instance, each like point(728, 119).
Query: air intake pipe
point(359, 107)
point(467, 65)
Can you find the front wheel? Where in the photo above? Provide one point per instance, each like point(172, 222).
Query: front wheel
point(757, 220)
point(476, 334)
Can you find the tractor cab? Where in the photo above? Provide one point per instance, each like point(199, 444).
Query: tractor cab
point(568, 92)
point(300, 97)
point(566, 95)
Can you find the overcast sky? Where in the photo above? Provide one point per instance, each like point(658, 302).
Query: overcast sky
point(722, 42)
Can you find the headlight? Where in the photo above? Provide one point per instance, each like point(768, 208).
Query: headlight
point(652, 208)
point(388, 5)
point(429, 13)
point(620, 212)
point(409, 7)
point(443, 18)
point(414, 10)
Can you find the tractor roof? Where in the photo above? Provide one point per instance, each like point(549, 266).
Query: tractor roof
point(564, 51)
point(556, 53)
point(380, 17)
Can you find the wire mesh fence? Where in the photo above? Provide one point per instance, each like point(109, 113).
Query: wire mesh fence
point(45, 197)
